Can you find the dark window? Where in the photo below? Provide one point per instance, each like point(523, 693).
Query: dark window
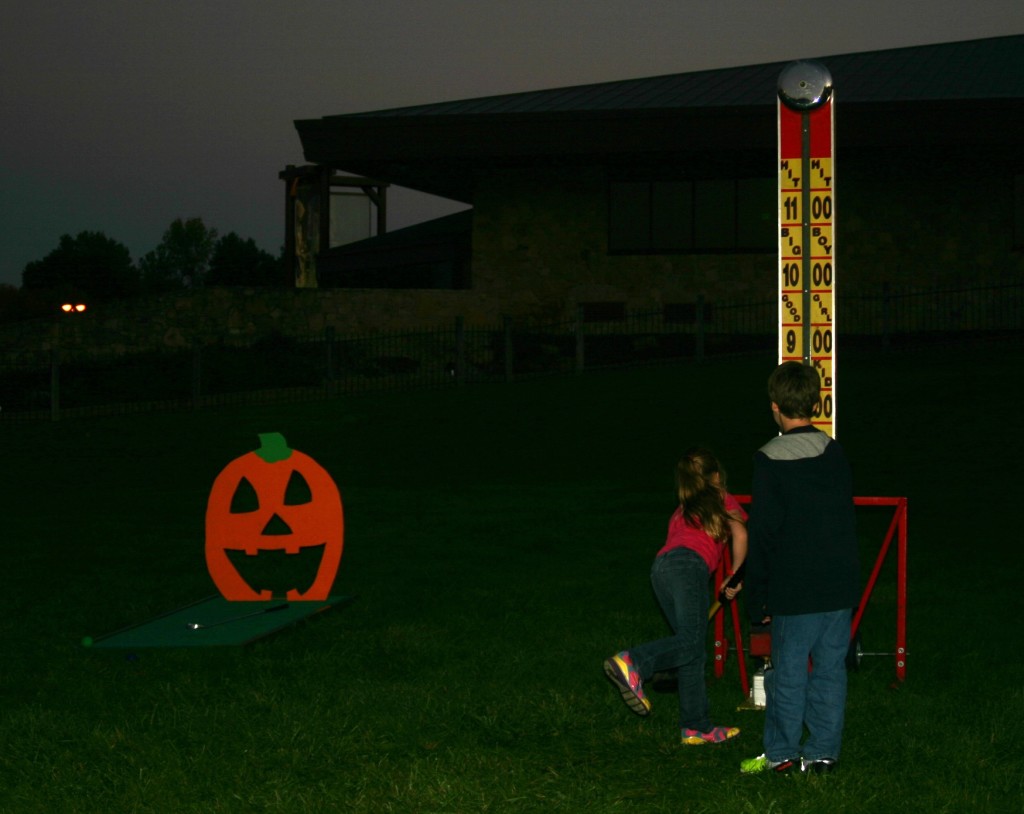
point(629, 223)
point(1018, 212)
point(603, 311)
point(686, 312)
point(714, 216)
point(757, 214)
point(671, 215)
point(692, 216)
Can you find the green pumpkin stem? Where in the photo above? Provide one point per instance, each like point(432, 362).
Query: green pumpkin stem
point(273, 447)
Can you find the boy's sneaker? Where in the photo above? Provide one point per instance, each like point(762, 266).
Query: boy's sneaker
point(762, 765)
point(717, 734)
point(619, 668)
point(820, 766)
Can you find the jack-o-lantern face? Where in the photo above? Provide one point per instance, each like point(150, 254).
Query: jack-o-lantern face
point(273, 499)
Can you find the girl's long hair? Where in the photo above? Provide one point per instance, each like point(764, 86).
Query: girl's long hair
point(701, 500)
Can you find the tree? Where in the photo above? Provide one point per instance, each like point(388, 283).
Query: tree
point(241, 262)
point(182, 258)
point(91, 266)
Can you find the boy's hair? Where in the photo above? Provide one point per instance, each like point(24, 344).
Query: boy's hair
point(701, 499)
point(795, 388)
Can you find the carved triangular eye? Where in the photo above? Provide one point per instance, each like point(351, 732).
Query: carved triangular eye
point(245, 498)
point(297, 492)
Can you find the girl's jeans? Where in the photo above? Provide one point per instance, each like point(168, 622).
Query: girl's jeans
point(797, 696)
point(680, 581)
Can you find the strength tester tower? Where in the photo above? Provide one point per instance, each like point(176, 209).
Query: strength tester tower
point(806, 227)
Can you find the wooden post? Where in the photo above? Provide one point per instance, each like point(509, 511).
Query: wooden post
point(54, 384)
point(460, 351)
point(197, 375)
point(581, 350)
point(55, 370)
point(382, 209)
point(290, 183)
point(698, 339)
point(885, 315)
point(329, 353)
point(509, 349)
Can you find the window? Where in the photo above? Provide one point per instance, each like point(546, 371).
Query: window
point(659, 217)
point(757, 214)
point(603, 311)
point(685, 313)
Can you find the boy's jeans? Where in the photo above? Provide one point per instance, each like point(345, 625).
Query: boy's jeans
point(680, 581)
point(796, 696)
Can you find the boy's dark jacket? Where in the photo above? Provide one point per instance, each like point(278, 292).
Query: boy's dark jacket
point(802, 538)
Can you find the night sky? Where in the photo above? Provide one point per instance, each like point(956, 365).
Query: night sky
point(121, 115)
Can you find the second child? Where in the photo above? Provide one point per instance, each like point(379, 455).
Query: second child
point(707, 519)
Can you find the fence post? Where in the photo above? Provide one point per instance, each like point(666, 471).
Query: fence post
point(197, 374)
point(460, 350)
point(885, 315)
point(581, 342)
point(509, 349)
point(55, 371)
point(55, 383)
point(329, 353)
point(698, 339)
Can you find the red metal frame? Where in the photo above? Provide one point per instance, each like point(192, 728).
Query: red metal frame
point(897, 528)
point(721, 643)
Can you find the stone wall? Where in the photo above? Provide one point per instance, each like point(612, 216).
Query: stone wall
point(540, 249)
point(229, 316)
point(928, 220)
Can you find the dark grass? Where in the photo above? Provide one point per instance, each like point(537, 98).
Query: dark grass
point(498, 539)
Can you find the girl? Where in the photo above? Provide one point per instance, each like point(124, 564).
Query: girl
point(707, 518)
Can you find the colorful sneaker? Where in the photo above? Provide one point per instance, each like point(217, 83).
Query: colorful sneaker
point(619, 668)
point(820, 766)
point(762, 765)
point(717, 734)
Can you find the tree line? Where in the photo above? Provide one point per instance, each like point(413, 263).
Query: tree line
point(94, 268)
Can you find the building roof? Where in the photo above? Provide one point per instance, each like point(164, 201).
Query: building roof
point(958, 93)
point(974, 69)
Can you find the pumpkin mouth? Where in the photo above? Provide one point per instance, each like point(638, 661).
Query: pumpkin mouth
point(278, 570)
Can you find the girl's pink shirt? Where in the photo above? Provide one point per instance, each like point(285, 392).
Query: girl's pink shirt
point(682, 535)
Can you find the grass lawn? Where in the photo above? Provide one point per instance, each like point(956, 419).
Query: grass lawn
point(498, 539)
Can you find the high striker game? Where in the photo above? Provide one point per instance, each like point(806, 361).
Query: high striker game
point(807, 274)
point(806, 221)
point(807, 319)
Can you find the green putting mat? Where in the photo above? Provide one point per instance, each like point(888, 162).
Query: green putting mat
point(214, 621)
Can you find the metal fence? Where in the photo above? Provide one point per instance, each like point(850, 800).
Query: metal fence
point(895, 313)
point(278, 368)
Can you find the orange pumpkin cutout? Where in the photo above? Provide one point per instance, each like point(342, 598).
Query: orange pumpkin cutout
point(273, 519)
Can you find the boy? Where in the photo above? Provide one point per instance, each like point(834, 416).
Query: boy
point(802, 575)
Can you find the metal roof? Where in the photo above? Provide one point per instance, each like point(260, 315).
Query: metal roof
point(970, 70)
point(964, 95)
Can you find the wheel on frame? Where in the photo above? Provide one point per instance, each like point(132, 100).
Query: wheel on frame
point(854, 654)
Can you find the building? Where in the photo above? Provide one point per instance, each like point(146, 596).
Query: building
point(646, 194)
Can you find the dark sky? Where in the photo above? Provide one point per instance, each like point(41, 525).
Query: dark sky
point(121, 115)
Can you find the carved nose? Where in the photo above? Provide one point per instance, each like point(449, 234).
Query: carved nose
point(276, 527)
